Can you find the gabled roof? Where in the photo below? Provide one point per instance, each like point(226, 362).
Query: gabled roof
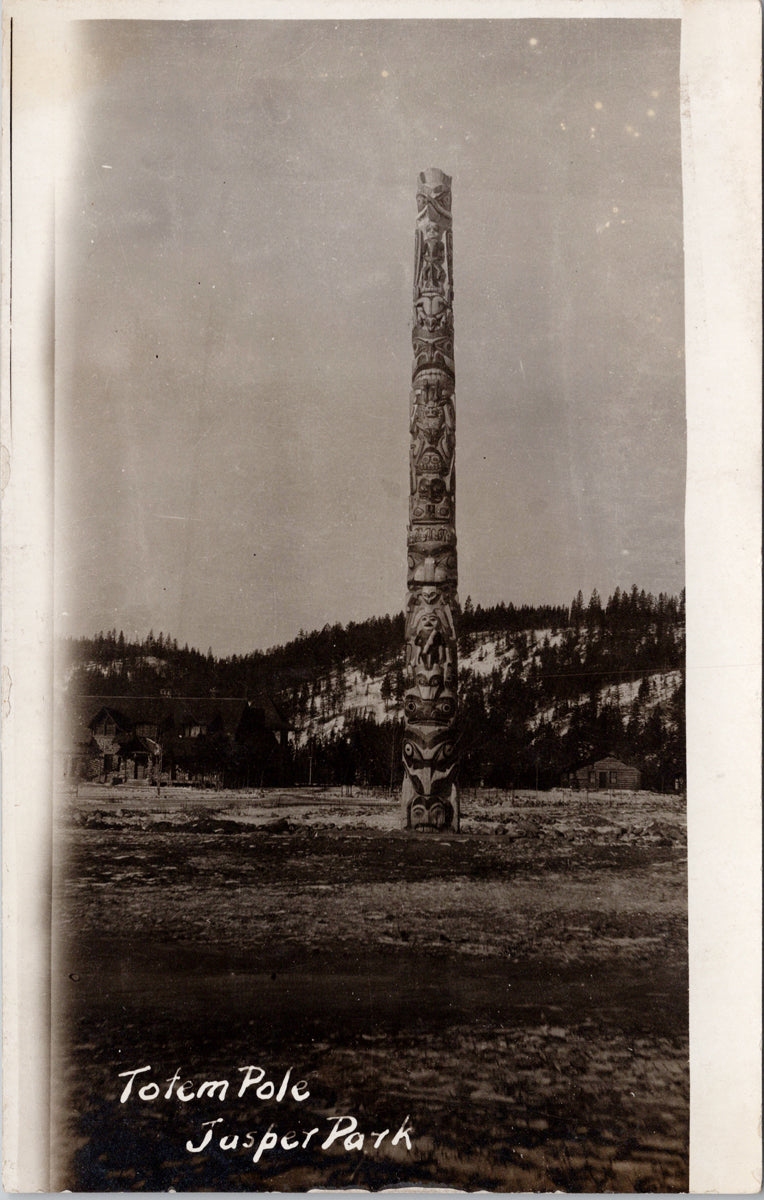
point(116, 715)
point(611, 761)
point(608, 761)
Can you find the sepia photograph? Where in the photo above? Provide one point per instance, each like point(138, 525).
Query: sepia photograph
point(368, 773)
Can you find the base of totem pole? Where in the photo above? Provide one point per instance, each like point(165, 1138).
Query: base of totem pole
point(435, 814)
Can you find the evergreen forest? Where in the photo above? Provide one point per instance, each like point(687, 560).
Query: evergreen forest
point(543, 690)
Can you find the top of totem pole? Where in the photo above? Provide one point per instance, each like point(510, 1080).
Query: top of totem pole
point(434, 178)
point(434, 197)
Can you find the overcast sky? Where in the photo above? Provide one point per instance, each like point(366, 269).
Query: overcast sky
point(233, 312)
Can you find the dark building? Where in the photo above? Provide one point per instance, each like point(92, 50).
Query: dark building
point(607, 773)
point(231, 742)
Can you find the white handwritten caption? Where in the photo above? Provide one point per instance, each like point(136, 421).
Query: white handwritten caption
point(254, 1077)
point(344, 1128)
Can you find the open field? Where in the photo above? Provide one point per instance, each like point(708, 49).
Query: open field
point(518, 991)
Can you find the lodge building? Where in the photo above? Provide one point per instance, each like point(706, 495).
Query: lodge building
point(224, 741)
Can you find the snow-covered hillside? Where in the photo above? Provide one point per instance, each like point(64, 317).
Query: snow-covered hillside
point(363, 694)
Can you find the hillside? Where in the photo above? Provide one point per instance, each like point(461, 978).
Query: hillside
point(542, 690)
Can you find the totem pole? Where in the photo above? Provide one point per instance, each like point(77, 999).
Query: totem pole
point(430, 798)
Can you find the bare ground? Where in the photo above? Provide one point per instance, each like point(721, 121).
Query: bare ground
point(518, 991)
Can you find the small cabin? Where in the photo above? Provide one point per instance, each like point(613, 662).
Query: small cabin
point(609, 774)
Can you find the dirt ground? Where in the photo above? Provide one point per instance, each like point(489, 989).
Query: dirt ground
point(510, 1002)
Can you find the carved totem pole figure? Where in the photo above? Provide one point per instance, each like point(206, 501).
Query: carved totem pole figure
point(430, 798)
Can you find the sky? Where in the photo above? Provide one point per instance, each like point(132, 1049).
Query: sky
point(234, 270)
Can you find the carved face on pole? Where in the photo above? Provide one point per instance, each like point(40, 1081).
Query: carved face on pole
point(440, 711)
point(429, 616)
point(429, 759)
point(432, 421)
point(432, 455)
point(430, 657)
point(432, 564)
point(432, 313)
point(433, 349)
point(431, 501)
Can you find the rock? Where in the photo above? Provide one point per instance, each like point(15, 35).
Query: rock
point(280, 825)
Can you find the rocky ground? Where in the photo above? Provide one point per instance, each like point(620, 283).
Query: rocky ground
point(514, 998)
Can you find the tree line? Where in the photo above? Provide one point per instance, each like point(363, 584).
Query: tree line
point(552, 700)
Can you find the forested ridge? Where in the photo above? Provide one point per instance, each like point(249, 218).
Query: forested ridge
point(543, 689)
